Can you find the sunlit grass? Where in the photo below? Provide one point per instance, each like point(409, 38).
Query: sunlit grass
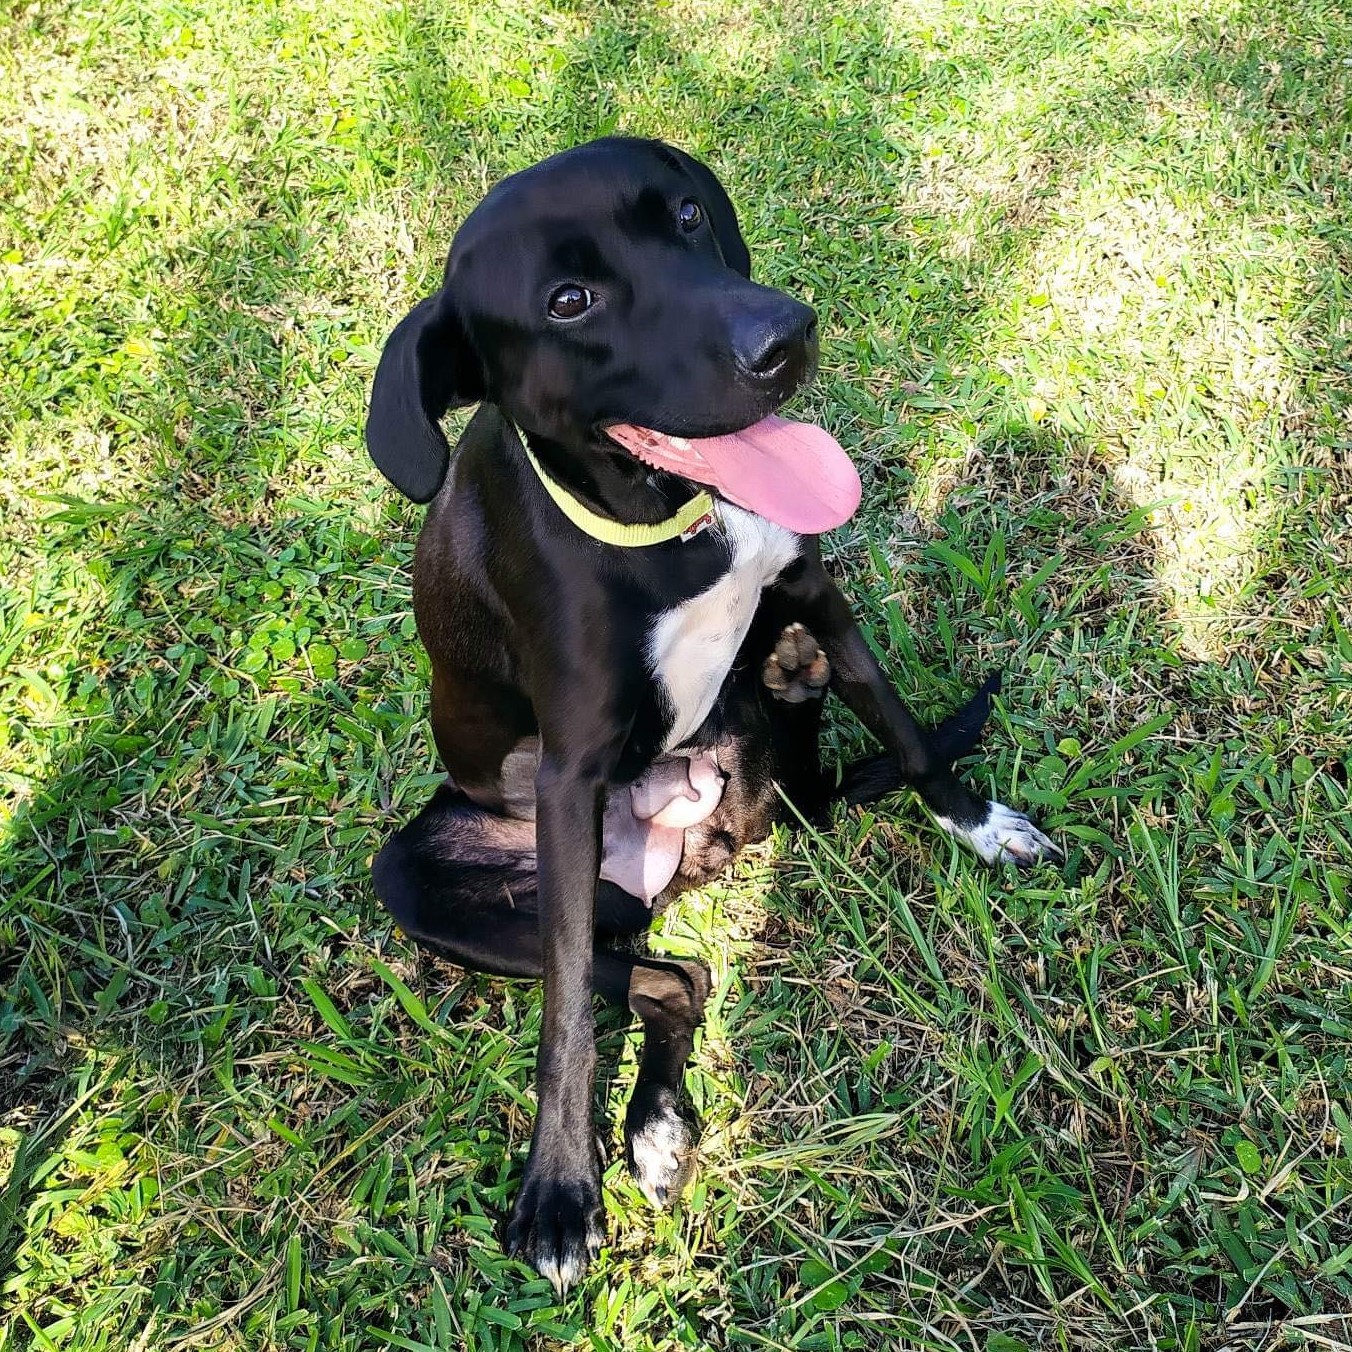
point(1187, 416)
point(1083, 279)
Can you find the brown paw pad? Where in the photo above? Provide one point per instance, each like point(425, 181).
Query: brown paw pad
point(797, 669)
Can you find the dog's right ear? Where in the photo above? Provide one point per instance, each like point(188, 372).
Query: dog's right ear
point(426, 368)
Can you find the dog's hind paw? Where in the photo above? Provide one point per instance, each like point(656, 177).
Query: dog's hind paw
point(1006, 837)
point(659, 1144)
point(797, 669)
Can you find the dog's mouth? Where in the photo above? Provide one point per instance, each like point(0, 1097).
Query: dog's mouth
point(792, 473)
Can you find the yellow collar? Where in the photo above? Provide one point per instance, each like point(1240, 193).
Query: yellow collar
point(695, 516)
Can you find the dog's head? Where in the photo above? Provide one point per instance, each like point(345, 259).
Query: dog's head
point(601, 299)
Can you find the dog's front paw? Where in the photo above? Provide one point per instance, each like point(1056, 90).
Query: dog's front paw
point(659, 1143)
point(556, 1224)
point(1006, 837)
point(797, 669)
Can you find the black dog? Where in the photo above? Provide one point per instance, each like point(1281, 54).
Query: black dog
point(624, 666)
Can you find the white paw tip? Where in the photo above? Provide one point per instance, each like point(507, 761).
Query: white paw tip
point(660, 1155)
point(564, 1270)
point(1006, 837)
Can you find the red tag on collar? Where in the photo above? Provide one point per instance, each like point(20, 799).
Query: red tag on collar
point(700, 523)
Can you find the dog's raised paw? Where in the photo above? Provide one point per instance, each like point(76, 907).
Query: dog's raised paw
point(796, 669)
point(1006, 837)
point(659, 1144)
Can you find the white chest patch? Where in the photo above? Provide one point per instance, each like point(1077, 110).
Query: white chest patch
point(691, 647)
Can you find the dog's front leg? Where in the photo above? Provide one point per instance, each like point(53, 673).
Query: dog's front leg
point(556, 1224)
point(925, 756)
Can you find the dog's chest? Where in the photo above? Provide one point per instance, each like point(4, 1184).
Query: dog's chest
point(692, 646)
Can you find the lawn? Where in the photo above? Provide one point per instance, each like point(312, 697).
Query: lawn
point(1085, 277)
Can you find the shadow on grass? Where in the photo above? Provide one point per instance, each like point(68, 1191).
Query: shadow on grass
point(215, 773)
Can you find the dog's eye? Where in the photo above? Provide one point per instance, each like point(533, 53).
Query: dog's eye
point(570, 301)
point(690, 214)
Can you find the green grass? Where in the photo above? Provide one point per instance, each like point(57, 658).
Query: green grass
point(1083, 272)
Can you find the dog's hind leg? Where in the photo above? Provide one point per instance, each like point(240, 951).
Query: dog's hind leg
point(461, 881)
point(659, 1138)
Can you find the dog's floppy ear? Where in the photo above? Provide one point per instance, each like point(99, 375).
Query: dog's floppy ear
point(426, 368)
point(721, 215)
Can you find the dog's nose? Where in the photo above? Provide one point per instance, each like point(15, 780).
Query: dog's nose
point(769, 345)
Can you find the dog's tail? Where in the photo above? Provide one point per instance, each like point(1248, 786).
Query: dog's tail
point(869, 778)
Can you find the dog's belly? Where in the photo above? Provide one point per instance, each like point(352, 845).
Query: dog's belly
point(692, 646)
point(646, 823)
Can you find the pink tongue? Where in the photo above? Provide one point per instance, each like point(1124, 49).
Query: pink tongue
point(791, 473)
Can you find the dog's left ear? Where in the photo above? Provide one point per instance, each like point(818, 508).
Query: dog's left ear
point(427, 367)
point(721, 214)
